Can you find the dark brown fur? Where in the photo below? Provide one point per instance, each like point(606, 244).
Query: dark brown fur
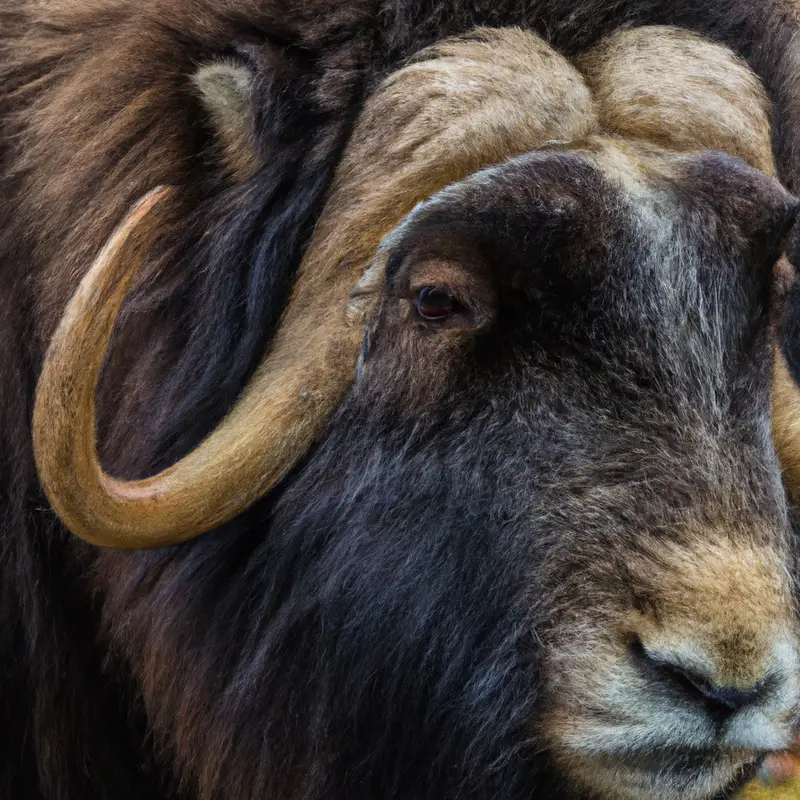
point(97, 107)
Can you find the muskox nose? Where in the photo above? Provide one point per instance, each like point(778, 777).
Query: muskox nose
point(744, 693)
point(693, 678)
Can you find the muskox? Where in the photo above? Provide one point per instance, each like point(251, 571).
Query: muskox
point(519, 529)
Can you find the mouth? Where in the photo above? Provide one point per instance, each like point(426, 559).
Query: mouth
point(669, 773)
point(659, 748)
point(644, 726)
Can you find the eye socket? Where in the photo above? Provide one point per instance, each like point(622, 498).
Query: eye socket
point(435, 304)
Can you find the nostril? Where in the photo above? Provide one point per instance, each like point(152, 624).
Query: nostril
point(723, 698)
point(720, 701)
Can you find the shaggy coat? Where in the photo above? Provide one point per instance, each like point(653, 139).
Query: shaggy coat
point(98, 105)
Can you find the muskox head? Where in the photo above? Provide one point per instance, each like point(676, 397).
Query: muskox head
point(542, 512)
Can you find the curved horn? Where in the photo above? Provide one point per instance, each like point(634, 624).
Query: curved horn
point(786, 421)
point(462, 105)
point(272, 422)
point(680, 90)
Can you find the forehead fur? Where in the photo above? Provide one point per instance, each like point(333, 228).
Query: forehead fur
point(603, 181)
point(654, 264)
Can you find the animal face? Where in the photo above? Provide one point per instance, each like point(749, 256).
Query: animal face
point(512, 565)
point(564, 400)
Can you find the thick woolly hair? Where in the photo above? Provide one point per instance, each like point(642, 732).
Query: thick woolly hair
point(98, 105)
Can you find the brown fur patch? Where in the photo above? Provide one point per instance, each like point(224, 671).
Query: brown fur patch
point(713, 602)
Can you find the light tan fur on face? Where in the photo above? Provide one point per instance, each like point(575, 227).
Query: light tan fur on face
point(462, 105)
point(226, 89)
point(729, 602)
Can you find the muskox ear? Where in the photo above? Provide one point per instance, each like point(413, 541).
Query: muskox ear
point(226, 90)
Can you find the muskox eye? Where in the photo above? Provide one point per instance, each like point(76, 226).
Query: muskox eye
point(434, 303)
